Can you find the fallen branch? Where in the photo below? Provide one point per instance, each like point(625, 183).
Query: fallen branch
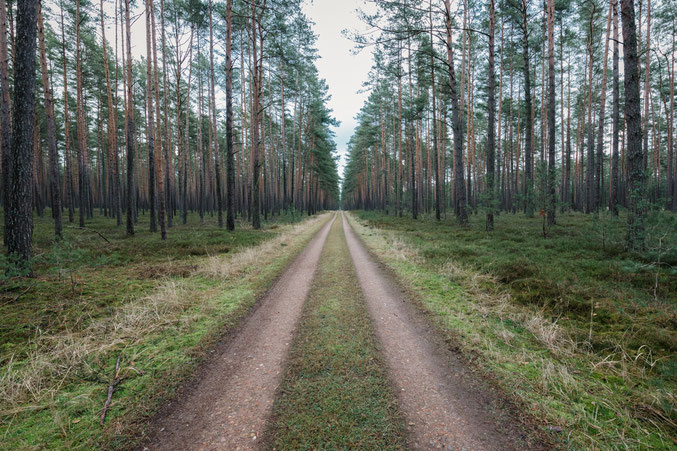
point(111, 388)
point(93, 230)
point(16, 298)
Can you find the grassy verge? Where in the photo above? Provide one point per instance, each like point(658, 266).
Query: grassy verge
point(157, 305)
point(335, 393)
point(569, 324)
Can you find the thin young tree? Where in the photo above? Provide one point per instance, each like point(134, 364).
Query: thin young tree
point(230, 163)
point(528, 147)
point(55, 191)
point(215, 143)
point(81, 122)
point(129, 112)
point(552, 171)
point(489, 223)
point(613, 195)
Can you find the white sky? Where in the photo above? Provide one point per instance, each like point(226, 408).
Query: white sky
point(343, 71)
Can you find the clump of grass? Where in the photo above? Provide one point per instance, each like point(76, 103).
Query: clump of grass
point(577, 344)
point(335, 393)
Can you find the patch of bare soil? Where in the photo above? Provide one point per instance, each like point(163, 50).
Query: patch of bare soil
point(445, 405)
point(230, 402)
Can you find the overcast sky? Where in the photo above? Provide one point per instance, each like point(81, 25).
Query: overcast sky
point(343, 71)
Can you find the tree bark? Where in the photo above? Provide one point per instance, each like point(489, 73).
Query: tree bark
point(5, 119)
point(635, 226)
point(613, 195)
point(159, 170)
point(230, 162)
point(217, 160)
point(20, 235)
point(551, 114)
point(599, 161)
point(459, 184)
point(438, 184)
point(54, 185)
point(131, 191)
point(81, 123)
point(528, 149)
point(489, 222)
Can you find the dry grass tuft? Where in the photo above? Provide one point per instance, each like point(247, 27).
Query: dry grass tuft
point(227, 266)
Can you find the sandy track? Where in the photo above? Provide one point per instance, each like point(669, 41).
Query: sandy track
point(439, 397)
point(231, 402)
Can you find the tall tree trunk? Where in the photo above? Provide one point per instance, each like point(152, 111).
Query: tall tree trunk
point(20, 235)
point(230, 163)
point(215, 144)
point(186, 141)
point(528, 149)
point(599, 160)
point(551, 113)
point(633, 120)
point(81, 123)
point(459, 184)
point(411, 146)
point(54, 184)
point(112, 123)
point(489, 222)
point(438, 183)
point(5, 119)
point(166, 143)
point(158, 130)
point(131, 191)
point(613, 195)
point(256, 120)
point(590, 163)
point(70, 197)
point(647, 50)
point(150, 120)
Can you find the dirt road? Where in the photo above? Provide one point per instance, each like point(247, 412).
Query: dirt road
point(443, 405)
point(229, 406)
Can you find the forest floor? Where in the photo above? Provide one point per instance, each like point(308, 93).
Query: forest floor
point(351, 331)
point(99, 295)
point(582, 334)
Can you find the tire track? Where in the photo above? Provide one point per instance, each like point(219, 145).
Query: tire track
point(229, 406)
point(439, 397)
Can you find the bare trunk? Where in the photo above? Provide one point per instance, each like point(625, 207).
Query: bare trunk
point(613, 196)
point(131, 191)
point(54, 189)
point(551, 113)
point(5, 119)
point(489, 222)
point(20, 234)
point(459, 184)
point(230, 163)
point(528, 149)
point(633, 120)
